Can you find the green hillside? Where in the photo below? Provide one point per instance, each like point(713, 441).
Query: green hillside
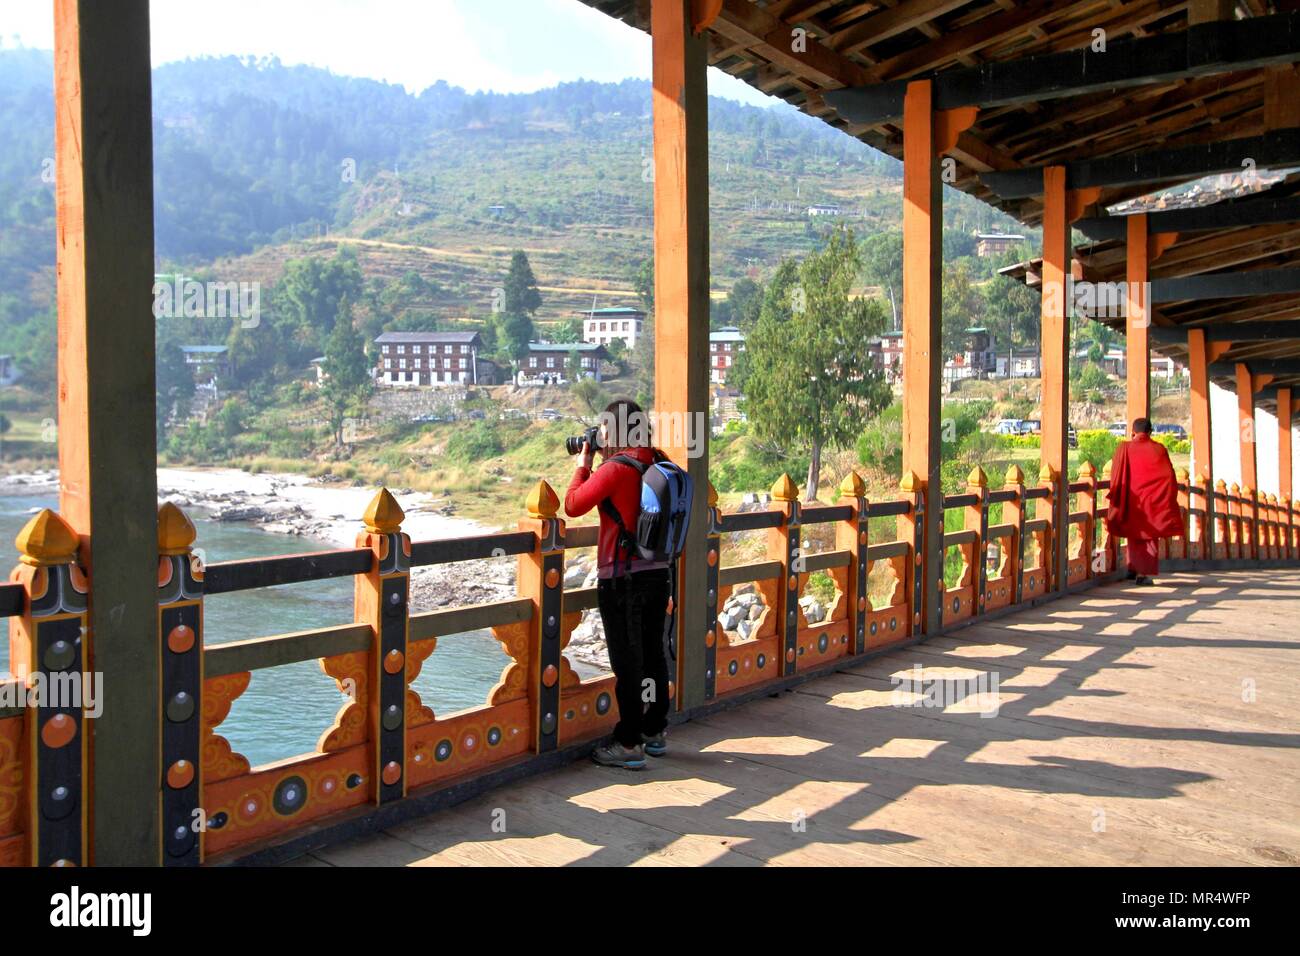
point(257, 163)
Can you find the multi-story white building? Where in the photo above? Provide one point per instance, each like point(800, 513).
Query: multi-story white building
point(428, 358)
point(724, 345)
point(602, 326)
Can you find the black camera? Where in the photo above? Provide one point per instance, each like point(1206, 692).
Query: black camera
point(573, 444)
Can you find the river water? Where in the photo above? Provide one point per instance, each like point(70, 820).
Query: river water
point(285, 709)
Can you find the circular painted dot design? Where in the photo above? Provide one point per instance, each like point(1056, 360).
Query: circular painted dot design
point(59, 655)
point(180, 708)
point(602, 704)
point(290, 796)
point(442, 751)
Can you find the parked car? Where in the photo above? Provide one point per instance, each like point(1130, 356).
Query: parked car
point(1031, 426)
point(1007, 426)
point(1071, 436)
point(1119, 429)
point(551, 415)
point(1178, 431)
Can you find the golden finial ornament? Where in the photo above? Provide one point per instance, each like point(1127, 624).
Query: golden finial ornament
point(542, 501)
point(175, 530)
point(383, 515)
point(784, 488)
point(46, 540)
point(853, 486)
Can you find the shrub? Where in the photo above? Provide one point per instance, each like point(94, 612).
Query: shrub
point(1097, 446)
point(881, 445)
point(476, 443)
point(1175, 445)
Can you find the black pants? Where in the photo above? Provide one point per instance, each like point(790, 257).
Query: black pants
point(633, 609)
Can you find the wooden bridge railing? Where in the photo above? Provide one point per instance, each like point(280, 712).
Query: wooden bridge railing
point(385, 744)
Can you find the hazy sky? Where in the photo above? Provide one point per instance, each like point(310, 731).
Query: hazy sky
point(503, 45)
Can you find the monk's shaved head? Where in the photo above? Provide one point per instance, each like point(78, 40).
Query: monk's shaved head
point(1142, 426)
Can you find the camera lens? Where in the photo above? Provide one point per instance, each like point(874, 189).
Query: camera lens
point(573, 444)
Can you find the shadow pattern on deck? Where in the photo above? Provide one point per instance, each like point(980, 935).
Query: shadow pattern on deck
point(1132, 726)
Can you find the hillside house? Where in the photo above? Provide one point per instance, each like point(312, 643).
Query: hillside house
point(602, 326)
point(208, 362)
point(724, 345)
point(427, 358)
point(547, 362)
point(995, 243)
point(1018, 363)
point(887, 354)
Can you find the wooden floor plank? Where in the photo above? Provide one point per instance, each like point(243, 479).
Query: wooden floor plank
point(1121, 736)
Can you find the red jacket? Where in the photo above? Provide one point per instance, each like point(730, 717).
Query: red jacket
point(1143, 491)
point(620, 483)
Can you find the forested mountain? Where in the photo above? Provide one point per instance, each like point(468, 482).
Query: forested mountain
point(257, 162)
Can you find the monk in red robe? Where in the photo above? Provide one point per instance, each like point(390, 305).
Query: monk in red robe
point(1143, 500)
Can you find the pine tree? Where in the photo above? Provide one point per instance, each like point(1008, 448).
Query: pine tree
point(522, 295)
point(347, 373)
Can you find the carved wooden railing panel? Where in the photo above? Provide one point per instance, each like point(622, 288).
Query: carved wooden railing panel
point(540, 702)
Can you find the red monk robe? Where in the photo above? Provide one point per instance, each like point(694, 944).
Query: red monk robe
point(1143, 501)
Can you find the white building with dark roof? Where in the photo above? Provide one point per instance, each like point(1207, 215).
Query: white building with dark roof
point(547, 363)
point(427, 358)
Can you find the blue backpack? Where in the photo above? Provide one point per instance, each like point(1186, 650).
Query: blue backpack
point(665, 513)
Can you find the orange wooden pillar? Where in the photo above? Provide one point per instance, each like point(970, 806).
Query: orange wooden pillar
point(1138, 313)
point(108, 490)
point(1198, 359)
point(681, 245)
point(1246, 443)
point(1055, 337)
point(927, 133)
point(1284, 438)
point(1284, 467)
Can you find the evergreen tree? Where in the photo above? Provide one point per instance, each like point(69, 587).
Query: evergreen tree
point(643, 282)
point(806, 383)
point(643, 362)
point(347, 373)
point(522, 295)
point(173, 384)
point(514, 333)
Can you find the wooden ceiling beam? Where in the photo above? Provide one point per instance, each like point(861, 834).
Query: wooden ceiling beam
point(1226, 285)
point(1275, 148)
point(742, 22)
point(890, 22)
point(971, 39)
point(1197, 51)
